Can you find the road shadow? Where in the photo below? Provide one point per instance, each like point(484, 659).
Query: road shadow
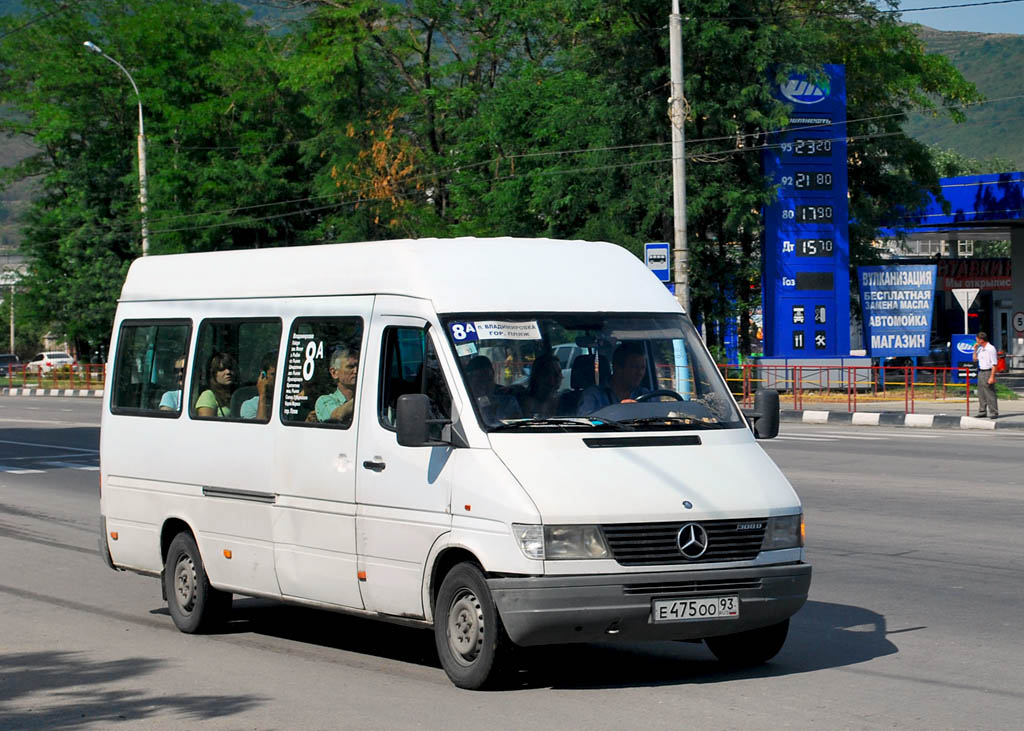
point(68, 692)
point(330, 629)
point(821, 635)
point(77, 437)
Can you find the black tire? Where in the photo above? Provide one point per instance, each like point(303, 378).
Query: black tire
point(750, 648)
point(195, 606)
point(471, 640)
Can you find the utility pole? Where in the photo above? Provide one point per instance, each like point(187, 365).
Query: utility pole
point(677, 113)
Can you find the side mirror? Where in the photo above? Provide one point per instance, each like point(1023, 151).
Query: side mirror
point(764, 419)
point(411, 420)
point(413, 423)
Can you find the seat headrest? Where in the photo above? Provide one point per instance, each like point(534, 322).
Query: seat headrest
point(582, 374)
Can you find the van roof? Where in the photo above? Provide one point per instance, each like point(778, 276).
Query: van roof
point(456, 275)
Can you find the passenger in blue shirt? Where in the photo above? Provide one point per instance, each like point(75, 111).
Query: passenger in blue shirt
point(629, 366)
point(259, 406)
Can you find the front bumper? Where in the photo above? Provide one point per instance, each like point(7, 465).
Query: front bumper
point(558, 609)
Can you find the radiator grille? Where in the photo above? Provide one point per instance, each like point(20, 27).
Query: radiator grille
point(641, 544)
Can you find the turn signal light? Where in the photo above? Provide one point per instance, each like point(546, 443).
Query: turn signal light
point(227, 553)
point(113, 535)
point(361, 575)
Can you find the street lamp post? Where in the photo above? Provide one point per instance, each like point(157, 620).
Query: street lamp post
point(142, 147)
point(10, 278)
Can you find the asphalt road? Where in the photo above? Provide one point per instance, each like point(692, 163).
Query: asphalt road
point(913, 620)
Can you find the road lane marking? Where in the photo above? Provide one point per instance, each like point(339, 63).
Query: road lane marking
point(71, 466)
point(889, 435)
point(59, 422)
point(834, 435)
point(50, 446)
point(23, 457)
point(19, 470)
point(808, 439)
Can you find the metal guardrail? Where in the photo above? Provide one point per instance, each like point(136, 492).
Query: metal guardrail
point(87, 376)
point(865, 384)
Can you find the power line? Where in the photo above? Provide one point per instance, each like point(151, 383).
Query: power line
point(948, 7)
point(835, 14)
point(695, 156)
point(60, 9)
point(576, 151)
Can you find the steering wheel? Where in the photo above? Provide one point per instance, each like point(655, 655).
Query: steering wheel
point(659, 392)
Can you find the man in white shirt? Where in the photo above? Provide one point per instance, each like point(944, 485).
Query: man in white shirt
point(986, 358)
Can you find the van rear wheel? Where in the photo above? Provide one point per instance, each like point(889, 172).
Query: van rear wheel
point(750, 648)
point(471, 640)
point(195, 606)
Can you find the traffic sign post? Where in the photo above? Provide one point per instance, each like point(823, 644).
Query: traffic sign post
point(965, 297)
point(1018, 322)
point(658, 260)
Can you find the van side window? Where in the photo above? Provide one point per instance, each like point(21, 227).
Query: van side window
point(321, 366)
point(235, 369)
point(410, 365)
point(149, 370)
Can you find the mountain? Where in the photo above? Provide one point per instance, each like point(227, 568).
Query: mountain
point(992, 61)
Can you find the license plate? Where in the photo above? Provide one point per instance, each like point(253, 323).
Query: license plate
point(692, 610)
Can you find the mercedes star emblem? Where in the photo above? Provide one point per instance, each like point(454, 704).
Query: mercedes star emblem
point(692, 540)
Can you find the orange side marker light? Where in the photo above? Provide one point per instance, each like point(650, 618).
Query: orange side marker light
point(468, 507)
point(227, 553)
point(113, 535)
point(361, 575)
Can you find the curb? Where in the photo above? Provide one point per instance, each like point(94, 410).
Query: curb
point(81, 392)
point(894, 418)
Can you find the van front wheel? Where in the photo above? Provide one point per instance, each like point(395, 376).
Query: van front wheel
point(471, 640)
point(195, 606)
point(750, 648)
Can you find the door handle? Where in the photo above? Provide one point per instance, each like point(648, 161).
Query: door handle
point(375, 466)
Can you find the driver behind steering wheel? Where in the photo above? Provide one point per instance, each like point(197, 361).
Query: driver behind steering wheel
point(629, 366)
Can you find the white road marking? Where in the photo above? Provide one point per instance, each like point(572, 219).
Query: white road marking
point(71, 466)
point(902, 435)
point(50, 446)
point(19, 470)
point(36, 456)
point(807, 439)
point(58, 422)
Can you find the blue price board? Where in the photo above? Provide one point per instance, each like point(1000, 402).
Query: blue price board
point(806, 287)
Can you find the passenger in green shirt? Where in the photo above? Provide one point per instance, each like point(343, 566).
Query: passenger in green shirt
point(220, 375)
point(337, 407)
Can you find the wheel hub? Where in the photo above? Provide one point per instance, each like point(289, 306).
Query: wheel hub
point(465, 627)
point(185, 583)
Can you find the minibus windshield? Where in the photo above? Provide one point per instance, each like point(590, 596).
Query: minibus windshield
point(589, 371)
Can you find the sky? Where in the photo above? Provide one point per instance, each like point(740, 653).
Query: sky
point(1005, 17)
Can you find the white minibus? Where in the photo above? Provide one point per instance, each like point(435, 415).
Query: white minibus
point(386, 429)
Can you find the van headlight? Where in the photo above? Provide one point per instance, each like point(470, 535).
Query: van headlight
point(784, 531)
point(556, 542)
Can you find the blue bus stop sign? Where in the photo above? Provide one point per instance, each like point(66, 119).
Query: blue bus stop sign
point(657, 259)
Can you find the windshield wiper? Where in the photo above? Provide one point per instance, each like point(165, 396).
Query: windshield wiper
point(591, 421)
point(687, 420)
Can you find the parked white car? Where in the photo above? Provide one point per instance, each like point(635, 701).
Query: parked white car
point(46, 362)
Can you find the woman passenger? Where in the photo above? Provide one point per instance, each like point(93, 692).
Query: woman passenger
point(215, 401)
point(541, 398)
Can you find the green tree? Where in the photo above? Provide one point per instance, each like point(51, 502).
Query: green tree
point(220, 144)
